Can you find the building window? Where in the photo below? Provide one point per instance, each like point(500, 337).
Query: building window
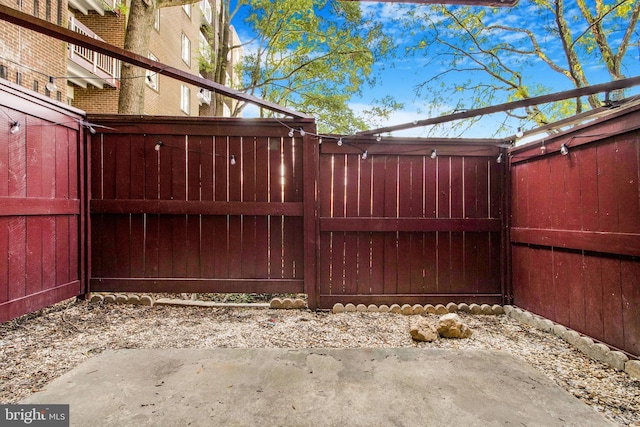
point(186, 49)
point(36, 8)
point(59, 18)
point(187, 9)
point(207, 13)
point(36, 86)
point(185, 99)
point(152, 77)
point(156, 21)
point(205, 49)
point(47, 10)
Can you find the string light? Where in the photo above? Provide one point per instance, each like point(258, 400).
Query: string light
point(290, 133)
point(519, 133)
point(564, 150)
point(499, 159)
point(15, 127)
point(302, 132)
point(92, 130)
point(365, 154)
point(434, 153)
point(232, 159)
point(543, 149)
point(340, 142)
point(378, 138)
point(51, 84)
point(158, 145)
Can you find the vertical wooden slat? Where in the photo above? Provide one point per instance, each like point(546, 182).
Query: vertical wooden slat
point(630, 279)
point(588, 186)
point(364, 238)
point(612, 302)
point(390, 285)
point(607, 188)
point(443, 239)
point(236, 148)
point(417, 257)
point(249, 248)
point(353, 264)
point(627, 185)
point(593, 288)
point(34, 264)
point(262, 195)
point(378, 195)
point(324, 207)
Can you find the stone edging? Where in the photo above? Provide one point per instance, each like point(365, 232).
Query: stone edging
point(420, 309)
point(598, 351)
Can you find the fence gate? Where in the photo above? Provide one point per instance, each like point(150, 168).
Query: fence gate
point(41, 202)
point(410, 222)
point(197, 205)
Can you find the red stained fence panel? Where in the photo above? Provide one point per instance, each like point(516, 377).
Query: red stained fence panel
point(206, 205)
point(575, 235)
point(401, 227)
point(41, 214)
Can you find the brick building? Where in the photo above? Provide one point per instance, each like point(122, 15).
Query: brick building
point(90, 81)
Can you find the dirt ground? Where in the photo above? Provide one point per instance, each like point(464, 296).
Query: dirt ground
point(41, 346)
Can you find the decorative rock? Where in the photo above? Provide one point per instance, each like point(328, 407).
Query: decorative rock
point(571, 337)
point(546, 325)
point(617, 360)
point(361, 308)
point(421, 330)
point(559, 330)
point(450, 326)
point(134, 299)
point(463, 307)
point(383, 308)
point(418, 309)
point(372, 308)
point(486, 309)
point(527, 318)
point(121, 299)
point(600, 351)
point(452, 307)
point(96, 298)
point(337, 307)
point(287, 303)
point(429, 309)
point(395, 308)
point(350, 308)
point(632, 368)
point(441, 309)
point(146, 300)
point(497, 309)
point(507, 309)
point(299, 303)
point(475, 309)
point(406, 309)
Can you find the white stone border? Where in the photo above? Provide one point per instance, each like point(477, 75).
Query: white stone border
point(598, 351)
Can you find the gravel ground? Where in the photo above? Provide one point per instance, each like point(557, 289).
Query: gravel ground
point(39, 347)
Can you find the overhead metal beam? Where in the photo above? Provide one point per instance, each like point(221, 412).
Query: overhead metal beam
point(44, 27)
point(509, 106)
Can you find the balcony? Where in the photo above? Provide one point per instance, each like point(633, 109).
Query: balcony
point(98, 6)
point(86, 67)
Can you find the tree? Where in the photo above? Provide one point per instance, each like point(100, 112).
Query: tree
point(139, 26)
point(496, 55)
point(312, 56)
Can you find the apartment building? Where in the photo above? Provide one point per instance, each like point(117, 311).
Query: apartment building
point(90, 81)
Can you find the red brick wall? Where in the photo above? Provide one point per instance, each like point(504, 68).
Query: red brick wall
point(34, 56)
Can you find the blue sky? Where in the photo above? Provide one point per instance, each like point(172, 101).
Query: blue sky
point(400, 78)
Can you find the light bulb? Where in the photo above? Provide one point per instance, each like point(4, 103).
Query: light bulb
point(290, 133)
point(302, 132)
point(233, 159)
point(158, 145)
point(564, 150)
point(543, 149)
point(15, 127)
point(499, 159)
point(364, 155)
point(340, 142)
point(91, 130)
point(519, 134)
point(378, 138)
point(434, 154)
point(51, 85)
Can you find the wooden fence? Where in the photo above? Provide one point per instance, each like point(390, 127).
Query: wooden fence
point(575, 229)
point(410, 222)
point(41, 202)
point(201, 205)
